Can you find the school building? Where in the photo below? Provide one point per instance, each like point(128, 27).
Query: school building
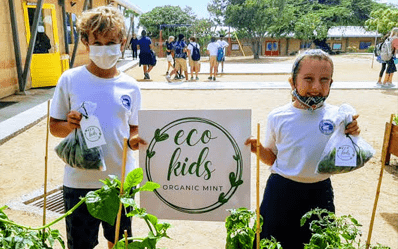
point(340, 39)
point(24, 65)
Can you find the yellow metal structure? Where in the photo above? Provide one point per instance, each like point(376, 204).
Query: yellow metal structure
point(46, 68)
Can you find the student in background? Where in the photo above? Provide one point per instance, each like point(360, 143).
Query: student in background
point(180, 55)
point(133, 45)
point(194, 65)
point(145, 44)
point(169, 55)
point(212, 49)
point(223, 44)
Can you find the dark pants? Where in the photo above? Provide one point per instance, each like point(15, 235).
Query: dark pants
point(134, 53)
point(383, 68)
point(82, 228)
point(285, 202)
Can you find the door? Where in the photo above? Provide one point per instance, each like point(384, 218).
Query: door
point(271, 48)
point(46, 66)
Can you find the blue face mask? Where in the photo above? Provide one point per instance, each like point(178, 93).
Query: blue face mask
point(311, 102)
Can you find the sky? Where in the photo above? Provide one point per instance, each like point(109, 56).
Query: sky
point(199, 7)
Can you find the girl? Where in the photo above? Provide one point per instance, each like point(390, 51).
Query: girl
point(391, 68)
point(296, 135)
point(169, 51)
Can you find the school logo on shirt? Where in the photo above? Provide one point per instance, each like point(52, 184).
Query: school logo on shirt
point(326, 126)
point(126, 101)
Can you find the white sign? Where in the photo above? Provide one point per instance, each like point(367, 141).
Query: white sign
point(200, 161)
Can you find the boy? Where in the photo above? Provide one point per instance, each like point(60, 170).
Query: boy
point(194, 65)
point(180, 55)
point(223, 44)
point(118, 100)
point(212, 50)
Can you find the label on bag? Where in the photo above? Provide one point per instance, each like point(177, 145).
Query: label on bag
point(92, 131)
point(346, 154)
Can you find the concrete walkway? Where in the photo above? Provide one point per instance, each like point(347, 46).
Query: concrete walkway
point(17, 118)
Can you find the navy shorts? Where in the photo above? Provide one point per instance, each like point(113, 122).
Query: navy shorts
point(145, 58)
point(285, 202)
point(391, 68)
point(82, 228)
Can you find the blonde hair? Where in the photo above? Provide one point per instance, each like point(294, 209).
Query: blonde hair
point(171, 38)
point(394, 32)
point(99, 21)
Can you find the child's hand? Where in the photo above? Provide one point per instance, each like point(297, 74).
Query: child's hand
point(353, 128)
point(252, 141)
point(73, 119)
point(134, 142)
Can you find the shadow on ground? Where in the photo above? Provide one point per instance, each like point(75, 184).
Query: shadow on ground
point(391, 219)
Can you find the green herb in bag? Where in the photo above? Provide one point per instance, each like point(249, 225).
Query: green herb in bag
point(73, 150)
point(327, 164)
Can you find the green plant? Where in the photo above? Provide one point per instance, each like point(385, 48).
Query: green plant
point(331, 231)
point(352, 49)
point(102, 204)
point(13, 235)
point(395, 119)
point(241, 227)
point(370, 49)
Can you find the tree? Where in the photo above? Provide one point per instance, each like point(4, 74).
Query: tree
point(167, 15)
point(217, 9)
point(382, 20)
point(250, 19)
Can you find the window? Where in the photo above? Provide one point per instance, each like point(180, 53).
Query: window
point(364, 45)
point(271, 46)
point(336, 46)
point(235, 46)
point(71, 28)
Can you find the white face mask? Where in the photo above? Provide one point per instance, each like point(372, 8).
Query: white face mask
point(105, 57)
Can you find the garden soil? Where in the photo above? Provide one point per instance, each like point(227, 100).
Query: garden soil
point(22, 159)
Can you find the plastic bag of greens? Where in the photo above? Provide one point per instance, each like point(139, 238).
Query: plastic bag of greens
point(74, 150)
point(344, 153)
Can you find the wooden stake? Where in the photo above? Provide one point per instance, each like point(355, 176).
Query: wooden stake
point(258, 187)
point(386, 142)
point(119, 214)
point(45, 165)
point(126, 243)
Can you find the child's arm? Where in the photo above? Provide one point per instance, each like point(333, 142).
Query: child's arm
point(61, 128)
point(266, 155)
point(135, 140)
point(353, 128)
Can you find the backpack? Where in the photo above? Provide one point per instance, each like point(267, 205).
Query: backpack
point(377, 50)
point(220, 54)
point(386, 52)
point(195, 53)
point(179, 53)
point(153, 58)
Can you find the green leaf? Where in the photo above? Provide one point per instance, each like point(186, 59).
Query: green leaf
point(152, 218)
point(150, 154)
point(221, 198)
point(160, 137)
point(133, 179)
point(149, 186)
point(103, 204)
